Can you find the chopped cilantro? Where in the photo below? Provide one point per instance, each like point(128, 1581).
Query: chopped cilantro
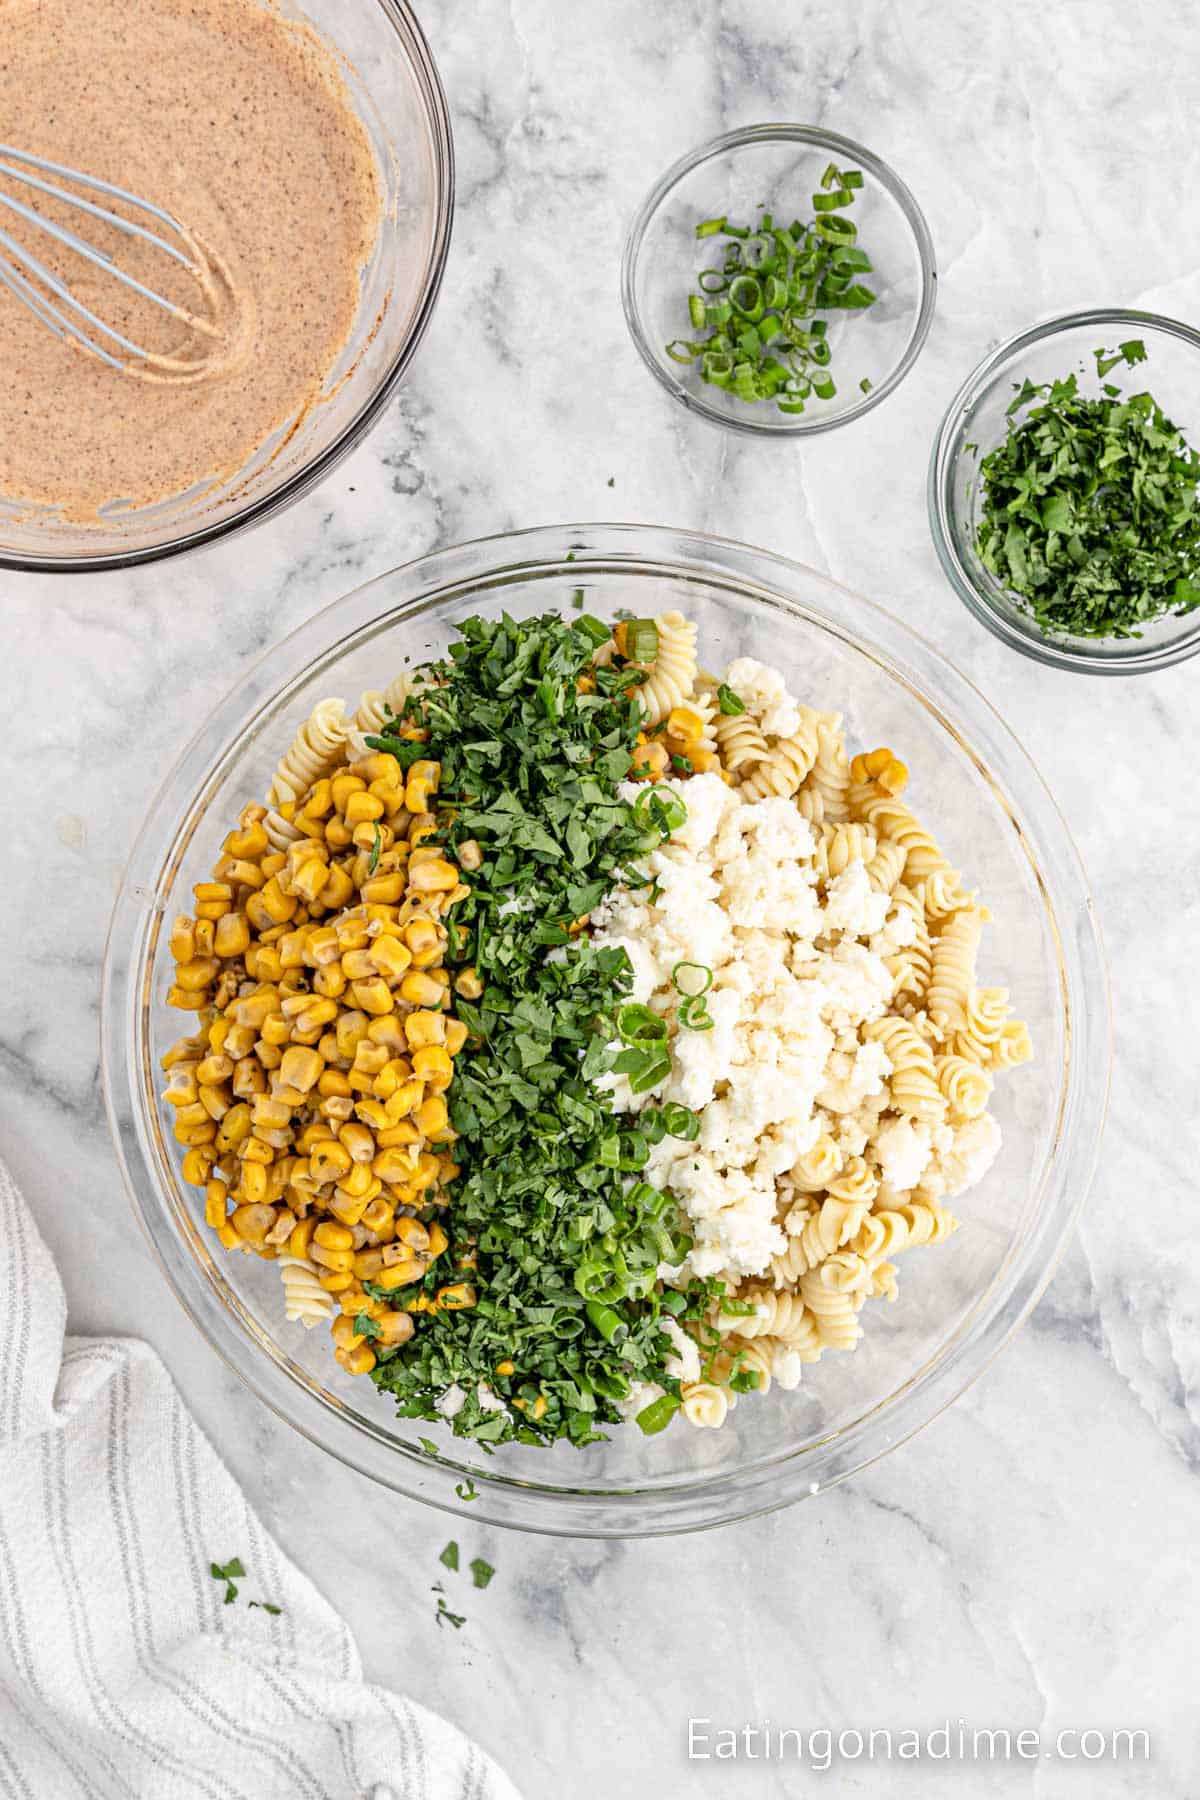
point(1090, 512)
point(534, 739)
point(730, 703)
point(481, 1572)
point(267, 1607)
point(428, 1446)
point(449, 1556)
point(466, 1490)
point(230, 1573)
point(445, 1617)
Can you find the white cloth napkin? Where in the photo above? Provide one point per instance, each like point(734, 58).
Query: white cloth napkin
point(123, 1676)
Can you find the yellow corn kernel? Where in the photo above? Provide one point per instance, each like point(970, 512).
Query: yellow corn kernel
point(421, 988)
point(331, 1259)
point(181, 1088)
point(235, 1127)
point(456, 1296)
point(423, 1029)
point(350, 1209)
point(456, 1036)
point(402, 1133)
point(213, 899)
point(336, 1281)
point(358, 965)
point(196, 1166)
point(362, 808)
point(425, 1173)
point(881, 766)
point(248, 1077)
point(332, 1081)
point(276, 1030)
point(703, 761)
point(216, 1099)
point(412, 1235)
point(539, 1408)
point(373, 996)
point(394, 1327)
point(358, 1141)
point(432, 1064)
point(206, 933)
point(649, 760)
point(301, 1239)
point(342, 786)
point(359, 1183)
point(422, 935)
point(438, 1240)
point(334, 1237)
point(248, 843)
point(390, 957)
point(432, 1116)
point(350, 1031)
point(435, 876)
point(256, 1149)
point(373, 1113)
point(468, 984)
point(185, 1001)
point(400, 1274)
point(229, 1237)
point(384, 889)
point(392, 1166)
point(194, 1132)
point(300, 1068)
point(507, 1367)
point(253, 1221)
point(448, 1169)
point(338, 889)
point(329, 982)
point(213, 1069)
point(470, 855)
point(216, 1196)
point(344, 1335)
point(252, 1009)
point(198, 974)
point(394, 1072)
point(379, 1214)
point(356, 1362)
point(685, 727)
point(367, 1264)
point(183, 939)
point(329, 1161)
point(252, 1186)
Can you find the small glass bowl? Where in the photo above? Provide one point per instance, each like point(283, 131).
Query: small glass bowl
point(393, 82)
point(779, 167)
point(976, 422)
point(970, 779)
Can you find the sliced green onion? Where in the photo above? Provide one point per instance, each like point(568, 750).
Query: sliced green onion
point(609, 1324)
point(712, 281)
point(694, 1014)
point(680, 351)
point(745, 293)
point(641, 640)
point(680, 1121)
point(637, 1024)
point(701, 969)
point(658, 1415)
point(696, 309)
point(710, 227)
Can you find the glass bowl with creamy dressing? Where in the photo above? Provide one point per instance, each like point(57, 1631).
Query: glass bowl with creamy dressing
point(308, 148)
point(970, 781)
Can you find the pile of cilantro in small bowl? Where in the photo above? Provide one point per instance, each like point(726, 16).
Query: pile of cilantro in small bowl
point(550, 1224)
point(1090, 507)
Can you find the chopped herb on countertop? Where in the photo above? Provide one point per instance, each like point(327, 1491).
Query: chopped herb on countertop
point(1090, 513)
point(466, 1490)
point(445, 1616)
point(759, 306)
point(449, 1556)
point(230, 1573)
point(548, 1233)
point(481, 1572)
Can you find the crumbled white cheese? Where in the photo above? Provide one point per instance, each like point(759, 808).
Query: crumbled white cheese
point(451, 1401)
point(904, 1150)
point(489, 1399)
point(974, 1149)
point(685, 1364)
point(764, 693)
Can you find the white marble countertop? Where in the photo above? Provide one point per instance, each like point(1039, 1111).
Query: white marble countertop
point(1030, 1560)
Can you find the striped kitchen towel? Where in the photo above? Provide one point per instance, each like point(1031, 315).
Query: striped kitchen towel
point(123, 1676)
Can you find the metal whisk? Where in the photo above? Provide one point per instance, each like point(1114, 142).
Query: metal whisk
point(50, 298)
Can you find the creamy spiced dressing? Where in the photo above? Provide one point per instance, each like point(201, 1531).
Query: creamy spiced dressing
point(239, 123)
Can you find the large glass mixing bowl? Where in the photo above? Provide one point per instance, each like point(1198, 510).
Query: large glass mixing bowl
point(390, 73)
point(971, 780)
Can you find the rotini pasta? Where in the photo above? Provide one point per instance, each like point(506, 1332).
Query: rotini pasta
point(671, 677)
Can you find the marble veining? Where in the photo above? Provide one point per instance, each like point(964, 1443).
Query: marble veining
point(1029, 1560)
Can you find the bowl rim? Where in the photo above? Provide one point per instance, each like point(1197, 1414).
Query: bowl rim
point(415, 47)
point(563, 552)
point(1073, 653)
point(780, 132)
